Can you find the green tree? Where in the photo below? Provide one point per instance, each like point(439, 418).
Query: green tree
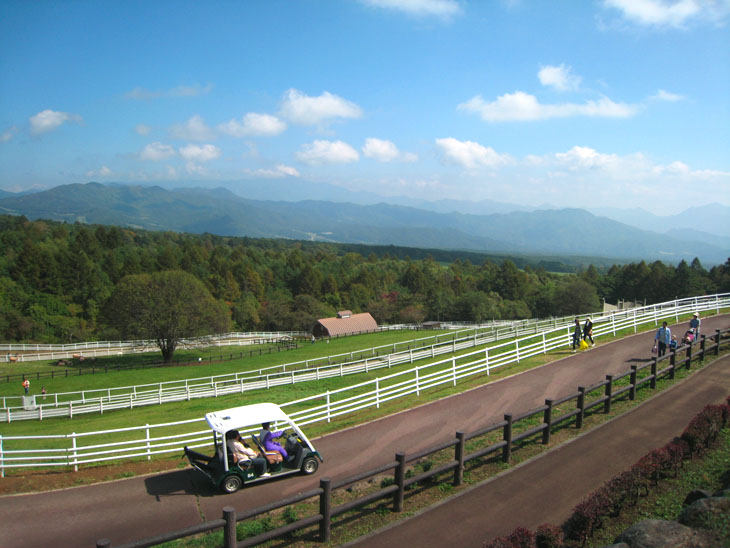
point(165, 307)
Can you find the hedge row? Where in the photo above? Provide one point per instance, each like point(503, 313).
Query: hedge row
point(627, 487)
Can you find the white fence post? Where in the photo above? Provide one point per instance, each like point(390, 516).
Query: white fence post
point(329, 416)
point(486, 360)
point(147, 437)
point(517, 350)
point(544, 346)
point(418, 388)
point(613, 324)
point(73, 451)
point(2, 459)
point(453, 370)
point(377, 397)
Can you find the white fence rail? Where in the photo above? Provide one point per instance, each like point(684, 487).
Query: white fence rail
point(68, 404)
point(38, 451)
point(20, 352)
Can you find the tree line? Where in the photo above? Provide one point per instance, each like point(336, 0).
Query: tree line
point(65, 282)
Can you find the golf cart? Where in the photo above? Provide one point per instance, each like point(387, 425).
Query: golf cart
point(230, 476)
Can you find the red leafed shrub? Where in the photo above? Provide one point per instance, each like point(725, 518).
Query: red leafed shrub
point(586, 516)
point(519, 538)
point(725, 409)
point(548, 536)
point(501, 542)
point(675, 455)
point(703, 429)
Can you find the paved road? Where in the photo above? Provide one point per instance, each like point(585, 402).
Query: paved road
point(545, 489)
point(140, 507)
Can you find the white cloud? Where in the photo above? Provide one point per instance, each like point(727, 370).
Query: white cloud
point(101, 172)
point(197, 153)
point(469, 154)
point(195, 129)
point(48, 120)
point(670, 13)
point(302, 109)
point(521, 106)
point(253, 125)
point(380, 150)
point(140, 93)
point(561, 78)
point(277, 172)
point(439, 8)
point(142, 129)
point(156, 151)
point(327, 152)
point(662, 95)
point(8, 134)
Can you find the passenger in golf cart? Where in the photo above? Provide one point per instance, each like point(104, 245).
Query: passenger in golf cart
point(234, 425)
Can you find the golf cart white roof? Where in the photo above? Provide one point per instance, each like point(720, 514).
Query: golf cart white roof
point(246, 415)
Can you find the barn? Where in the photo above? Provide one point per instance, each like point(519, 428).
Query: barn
point(345, 323)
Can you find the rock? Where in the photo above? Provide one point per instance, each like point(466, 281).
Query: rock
point(697, 494)
point(656, 533)
point(722, 493)
point(708, 513)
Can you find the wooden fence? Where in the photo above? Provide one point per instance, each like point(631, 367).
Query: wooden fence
point(676, 359)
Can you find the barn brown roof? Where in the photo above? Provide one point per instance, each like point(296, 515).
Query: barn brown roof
point(356, 323)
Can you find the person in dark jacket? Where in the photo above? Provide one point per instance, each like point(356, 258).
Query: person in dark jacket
point(588, 331)
point(577, 332)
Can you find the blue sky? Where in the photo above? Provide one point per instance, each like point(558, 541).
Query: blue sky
point(572, 103)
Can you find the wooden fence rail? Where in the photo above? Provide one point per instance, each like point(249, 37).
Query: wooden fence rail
point(400, 484)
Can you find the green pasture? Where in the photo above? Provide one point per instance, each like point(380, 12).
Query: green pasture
point(84, 380)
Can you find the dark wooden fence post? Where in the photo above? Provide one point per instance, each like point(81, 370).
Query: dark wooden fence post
point(652, 383)
point(459, 457)
point(547, 418)
point(608, 394)
point(581, 407)
point(507, 436)
point(702, 347)
point(632, 390)
point(672, 362)
point(325, 509)
point(229, 530)
point(689, 356)
point(717, 340)
point(104, 543)
point(400, 478)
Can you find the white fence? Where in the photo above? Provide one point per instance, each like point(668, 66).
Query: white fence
point(23, 352)
point(68, 404)
point(159, 439)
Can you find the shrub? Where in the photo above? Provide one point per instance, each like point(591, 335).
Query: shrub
point(519, 538)
point(548, 536)
point(585, 518)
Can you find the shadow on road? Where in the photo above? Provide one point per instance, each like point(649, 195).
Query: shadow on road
point(179, 482)
point(638, 360)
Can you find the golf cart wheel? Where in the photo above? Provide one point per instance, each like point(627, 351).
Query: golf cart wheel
point(231, 484)
point(310, 465)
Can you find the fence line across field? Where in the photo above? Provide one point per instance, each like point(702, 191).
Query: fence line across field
point(128, 397)
point(97, 400)
point(330, 404)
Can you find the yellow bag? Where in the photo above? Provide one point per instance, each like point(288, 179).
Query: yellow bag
point(583, 345)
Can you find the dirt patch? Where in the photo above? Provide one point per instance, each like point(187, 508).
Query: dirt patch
point(49, 480)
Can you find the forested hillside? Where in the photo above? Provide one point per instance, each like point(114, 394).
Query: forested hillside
point(56, 278)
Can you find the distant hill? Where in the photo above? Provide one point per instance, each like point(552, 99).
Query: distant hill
point(219, 211)
point(707, 219)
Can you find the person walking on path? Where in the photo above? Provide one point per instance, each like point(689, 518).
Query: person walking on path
point(694, 325)
point(577, 332)
point(588, 331)
point(26, 386)
point(662, 339)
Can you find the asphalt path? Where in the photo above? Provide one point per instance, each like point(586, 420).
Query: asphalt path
point(140, 507)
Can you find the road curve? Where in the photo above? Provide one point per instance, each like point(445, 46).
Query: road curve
point(139, 507)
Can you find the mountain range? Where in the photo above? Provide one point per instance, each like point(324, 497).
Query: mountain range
point(567, 232)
